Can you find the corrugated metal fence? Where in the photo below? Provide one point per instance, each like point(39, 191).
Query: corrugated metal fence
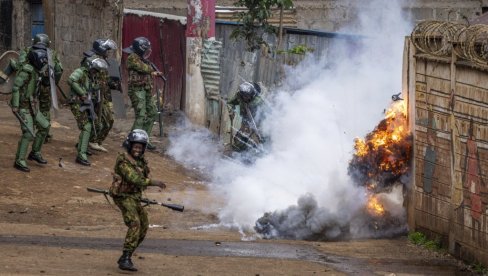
point(168, 52)
point(238, 65)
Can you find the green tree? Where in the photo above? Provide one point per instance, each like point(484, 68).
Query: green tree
point(255, 20)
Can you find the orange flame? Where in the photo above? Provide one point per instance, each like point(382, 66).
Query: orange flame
point(374, 207)
point(391, 131)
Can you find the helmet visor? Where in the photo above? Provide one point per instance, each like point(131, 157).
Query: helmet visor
point(147, 53)
point(109, 44)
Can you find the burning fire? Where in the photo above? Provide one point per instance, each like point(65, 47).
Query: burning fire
point(383, 156)
point(374, 207)
point(385, 152)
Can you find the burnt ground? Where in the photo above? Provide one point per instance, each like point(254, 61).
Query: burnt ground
point(50, 224)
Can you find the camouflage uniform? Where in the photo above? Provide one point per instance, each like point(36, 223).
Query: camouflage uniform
point(246, 132)
point(134, 174)
point(81, 84)
point(105, 120)
point(25, 97)
point(140, 87)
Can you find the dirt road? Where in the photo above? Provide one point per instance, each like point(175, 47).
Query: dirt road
point(50, 224)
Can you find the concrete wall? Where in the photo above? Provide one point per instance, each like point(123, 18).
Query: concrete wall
point(449, 104)
point(332, 15)
point(77, 24)
point(72, 25)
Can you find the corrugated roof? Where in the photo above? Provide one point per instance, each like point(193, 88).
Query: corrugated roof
point(182, 19)
point(290, 30)
point(232, 14)
point(210, 67)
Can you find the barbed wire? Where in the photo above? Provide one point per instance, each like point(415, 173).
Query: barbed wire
point(441, 38)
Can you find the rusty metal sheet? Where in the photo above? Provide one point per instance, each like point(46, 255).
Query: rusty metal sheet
point(167, 36)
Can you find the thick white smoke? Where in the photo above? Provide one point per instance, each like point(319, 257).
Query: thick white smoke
point(314, 118)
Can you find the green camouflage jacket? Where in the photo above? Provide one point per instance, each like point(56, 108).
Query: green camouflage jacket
point(139, 71)
point(25, 86)
point(134, 174)
point(102, 77)
point(81, 83)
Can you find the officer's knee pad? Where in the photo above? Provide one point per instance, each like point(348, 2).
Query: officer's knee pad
point(27, 135)
point(87, 126)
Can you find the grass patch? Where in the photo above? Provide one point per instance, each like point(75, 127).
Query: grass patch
point(418, 238)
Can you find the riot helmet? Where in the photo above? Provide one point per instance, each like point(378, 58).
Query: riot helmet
point(98, 64)
point(41, 40)
point(141, 46)
point(102, 47)
point(37, 58)
point(247, 91)
point(137, 136)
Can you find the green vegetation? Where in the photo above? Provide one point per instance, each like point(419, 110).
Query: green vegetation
point(479, 269)
point(298, 50)
point(420, 239)
point(255, 20)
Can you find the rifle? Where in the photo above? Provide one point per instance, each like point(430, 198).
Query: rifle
point(175, 207)
point(88, 105)
point(158, 94)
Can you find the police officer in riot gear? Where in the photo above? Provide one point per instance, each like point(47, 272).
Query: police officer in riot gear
point(249, 100)
point(101, 48)
point(83, 81)
point(24, 106)
point(140, 85)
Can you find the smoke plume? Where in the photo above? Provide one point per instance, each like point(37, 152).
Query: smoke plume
point(300, 188)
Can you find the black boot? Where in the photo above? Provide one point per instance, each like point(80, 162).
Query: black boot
point(82, 161)
point(36, 157)
point(125, 263)
point(21, 167)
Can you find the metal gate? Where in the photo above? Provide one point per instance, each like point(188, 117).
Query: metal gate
point(6, 8)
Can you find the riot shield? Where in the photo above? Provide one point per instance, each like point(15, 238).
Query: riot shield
point(52, 81)
point(117, 94)
point(7, 72)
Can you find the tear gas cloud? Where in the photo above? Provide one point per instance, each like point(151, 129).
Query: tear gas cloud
point(314, 117)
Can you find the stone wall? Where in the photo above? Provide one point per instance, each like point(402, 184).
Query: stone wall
point(332, 15)
point(78, 24)
point(72, 25)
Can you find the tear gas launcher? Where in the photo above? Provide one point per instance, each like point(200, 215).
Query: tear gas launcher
point(175, 207)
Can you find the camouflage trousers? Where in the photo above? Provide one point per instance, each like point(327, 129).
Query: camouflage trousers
point(85, 126)
point(144, 108)
point(104, 123)
point(135, 218)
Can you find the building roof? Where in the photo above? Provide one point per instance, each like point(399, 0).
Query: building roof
point(182, 19)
